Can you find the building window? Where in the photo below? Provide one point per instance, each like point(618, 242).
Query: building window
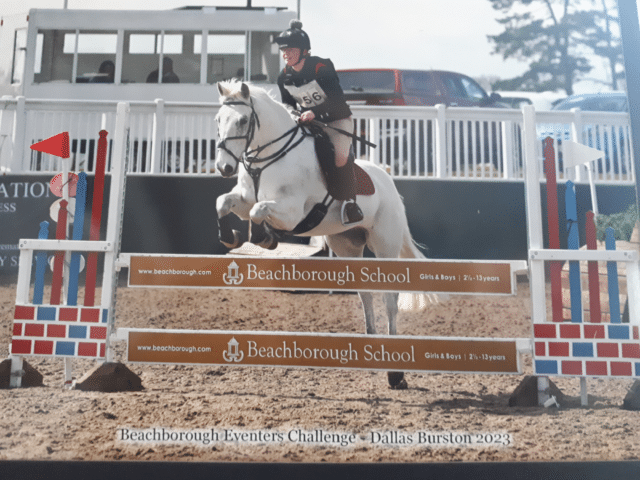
point(160, 57)
point(19, 52)
point(75, 56)
point(53, 64)
point(225, 55)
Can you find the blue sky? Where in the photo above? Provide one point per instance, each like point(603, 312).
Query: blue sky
point(417, 34)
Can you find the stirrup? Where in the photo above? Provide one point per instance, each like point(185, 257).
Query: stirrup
point(351, 214)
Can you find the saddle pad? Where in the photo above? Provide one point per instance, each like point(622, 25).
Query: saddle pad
point(365, 184)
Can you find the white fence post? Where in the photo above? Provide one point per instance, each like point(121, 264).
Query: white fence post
point(157, 136)
point(19, 130)
point(114, 221)
point(534, 215)
point(534, 230)
point(440, 137)
point(507, 148)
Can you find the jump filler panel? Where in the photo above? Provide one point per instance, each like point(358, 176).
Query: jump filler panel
point(59, 331)
point(587, 350)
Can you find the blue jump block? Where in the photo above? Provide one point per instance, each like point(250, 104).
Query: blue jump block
point(583, 349)
point(619, 332)
point(77, 331)
point(546, 367)
point(66, 348)
point(46, 313)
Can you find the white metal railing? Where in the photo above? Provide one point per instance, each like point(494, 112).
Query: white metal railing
point(417, 142)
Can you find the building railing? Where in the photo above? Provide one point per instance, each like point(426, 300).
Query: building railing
point(169, 138)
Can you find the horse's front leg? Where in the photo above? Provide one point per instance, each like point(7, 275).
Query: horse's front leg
point(231, 202)
point(266, 216)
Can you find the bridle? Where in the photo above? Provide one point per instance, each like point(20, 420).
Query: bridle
point(249, 158)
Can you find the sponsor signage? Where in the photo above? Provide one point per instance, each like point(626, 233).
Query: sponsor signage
point(284, 349)
point(322, 274)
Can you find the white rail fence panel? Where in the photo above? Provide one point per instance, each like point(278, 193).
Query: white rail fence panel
point(605, 131)
point(413, 142)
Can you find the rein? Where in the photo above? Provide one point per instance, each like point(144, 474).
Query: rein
point(248, 157)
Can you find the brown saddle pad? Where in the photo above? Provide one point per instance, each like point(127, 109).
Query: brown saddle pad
point(364, 183)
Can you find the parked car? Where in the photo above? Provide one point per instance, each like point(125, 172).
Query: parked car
point(596, 136)
point(406, 141)
point(542, 101)
point(386, 86)
point(595, 102)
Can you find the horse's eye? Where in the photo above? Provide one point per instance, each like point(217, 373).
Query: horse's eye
point(243, 121)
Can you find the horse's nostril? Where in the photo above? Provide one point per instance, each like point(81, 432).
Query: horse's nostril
point(228, 170)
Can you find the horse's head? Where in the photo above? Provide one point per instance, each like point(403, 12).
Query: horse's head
point(237, 122)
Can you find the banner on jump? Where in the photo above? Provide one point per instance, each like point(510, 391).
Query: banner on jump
point(322, 274)
point(285, 349)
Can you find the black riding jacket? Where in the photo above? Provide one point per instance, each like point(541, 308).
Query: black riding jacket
point(316, 87)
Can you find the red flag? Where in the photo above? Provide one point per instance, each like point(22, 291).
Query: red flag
point(57, 145)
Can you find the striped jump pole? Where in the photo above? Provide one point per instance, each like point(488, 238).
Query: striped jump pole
point(41, 266)
point(96, 218)
point(58, 262)
point(573, 242)
point(595, 314)
point(612, 277)
point(554, 229)
point(78, 227)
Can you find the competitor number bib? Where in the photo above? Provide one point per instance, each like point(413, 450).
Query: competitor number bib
point(308, 95)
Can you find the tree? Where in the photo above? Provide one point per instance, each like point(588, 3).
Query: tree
point(557, 38)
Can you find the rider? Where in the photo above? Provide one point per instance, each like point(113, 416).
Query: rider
point(312, 83)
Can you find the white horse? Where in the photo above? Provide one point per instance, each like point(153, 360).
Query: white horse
point(279, 183)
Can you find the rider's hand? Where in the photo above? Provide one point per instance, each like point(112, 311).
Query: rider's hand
point(307, 117)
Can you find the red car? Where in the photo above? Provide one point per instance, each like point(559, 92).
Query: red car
point(386, 86)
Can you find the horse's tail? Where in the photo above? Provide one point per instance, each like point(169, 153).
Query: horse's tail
point(411, 302)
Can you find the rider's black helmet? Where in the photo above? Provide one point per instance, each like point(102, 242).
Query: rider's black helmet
point(294, 37)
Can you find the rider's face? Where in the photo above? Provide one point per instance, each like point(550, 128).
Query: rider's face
point(291, 55)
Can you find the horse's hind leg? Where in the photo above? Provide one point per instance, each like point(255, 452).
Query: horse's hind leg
point(384, 246)
point(351, 244)
point(396, 379)
point(369, 316)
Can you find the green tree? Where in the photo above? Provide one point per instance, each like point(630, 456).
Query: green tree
point(557, 38)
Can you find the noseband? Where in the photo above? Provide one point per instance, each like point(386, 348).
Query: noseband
point(249, 158)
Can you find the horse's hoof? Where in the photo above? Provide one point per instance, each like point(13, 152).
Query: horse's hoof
point(269, 243)
point(397, 380)
point(235, 243)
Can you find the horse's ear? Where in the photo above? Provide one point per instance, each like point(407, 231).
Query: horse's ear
point(223, 91)
point(244, 89)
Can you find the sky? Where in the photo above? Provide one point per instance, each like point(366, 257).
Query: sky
point(412, 34)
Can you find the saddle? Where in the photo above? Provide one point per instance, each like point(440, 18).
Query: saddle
point(338, 186)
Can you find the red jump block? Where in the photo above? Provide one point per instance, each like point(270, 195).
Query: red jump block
point(570, 331)
point(572, 367)
point(608, 350)
point(596, 369)
point(24, 313)
point(541, 330)
point(621, 369)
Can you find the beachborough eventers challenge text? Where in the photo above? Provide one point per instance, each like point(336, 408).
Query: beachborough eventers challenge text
point(315, 437)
